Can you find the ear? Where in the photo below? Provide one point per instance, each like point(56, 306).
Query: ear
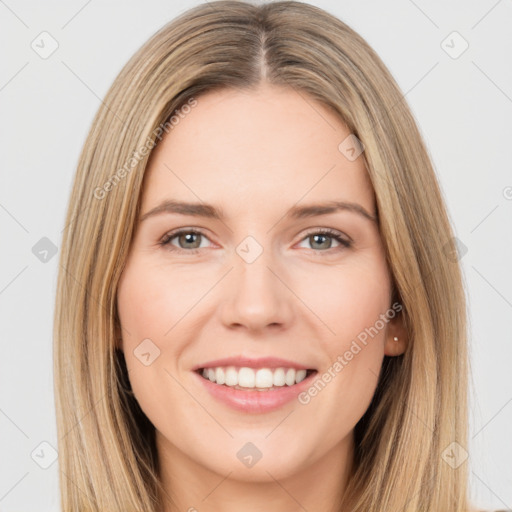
point(397, 339)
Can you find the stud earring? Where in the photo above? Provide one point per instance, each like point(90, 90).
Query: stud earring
point(395, 338)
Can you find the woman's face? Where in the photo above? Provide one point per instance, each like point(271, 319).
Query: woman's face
point(255, 279)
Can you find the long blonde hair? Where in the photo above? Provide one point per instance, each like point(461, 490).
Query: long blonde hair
point(108, 459)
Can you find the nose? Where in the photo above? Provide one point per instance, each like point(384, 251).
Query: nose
point(256, 295)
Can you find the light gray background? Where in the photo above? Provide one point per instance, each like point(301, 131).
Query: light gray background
point(463, 106)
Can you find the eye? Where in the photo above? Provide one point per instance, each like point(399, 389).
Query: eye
point(188, 240)
point(322, 239)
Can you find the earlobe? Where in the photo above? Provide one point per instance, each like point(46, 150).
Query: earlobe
point(397, 339)
point(395, 346)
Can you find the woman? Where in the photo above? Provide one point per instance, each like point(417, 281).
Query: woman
point(308, 351)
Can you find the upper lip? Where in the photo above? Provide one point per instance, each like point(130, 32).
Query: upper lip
point(261, 362)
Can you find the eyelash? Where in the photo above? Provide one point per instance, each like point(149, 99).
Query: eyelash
point(165, 241)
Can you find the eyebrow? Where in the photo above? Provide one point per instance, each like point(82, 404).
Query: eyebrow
point(296, 212)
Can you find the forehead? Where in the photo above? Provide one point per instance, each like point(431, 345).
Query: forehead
point(251, 149)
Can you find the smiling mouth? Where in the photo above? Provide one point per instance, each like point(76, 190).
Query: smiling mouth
point(255, 379)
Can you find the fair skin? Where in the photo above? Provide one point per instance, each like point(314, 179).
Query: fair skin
point(255, 155)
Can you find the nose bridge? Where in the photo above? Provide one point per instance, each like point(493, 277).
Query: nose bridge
point(256, 296)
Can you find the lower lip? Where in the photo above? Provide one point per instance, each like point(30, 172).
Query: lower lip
point(255, 401)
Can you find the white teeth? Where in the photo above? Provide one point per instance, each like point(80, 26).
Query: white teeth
point(262, 378)
point(246, 377)
point(279, 379)
point(231, 377)
point(300, 375)
point(290, 377)
point(220, 376)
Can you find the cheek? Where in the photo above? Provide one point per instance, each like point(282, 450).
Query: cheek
point(146, 301)
point(348, 298)
point(352, 302)
point(154, 303)
point(152, 300)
